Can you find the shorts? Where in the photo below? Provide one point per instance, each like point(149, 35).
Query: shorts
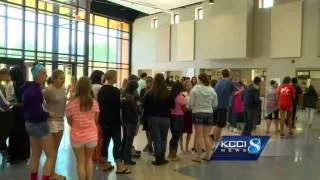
point(275, 115)
point(286, 108)
point(204, 119)
point(221, 120)
point(56, 126)
point(37, 129)
point(91, 144)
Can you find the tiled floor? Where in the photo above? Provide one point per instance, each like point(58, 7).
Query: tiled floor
point(294, 159)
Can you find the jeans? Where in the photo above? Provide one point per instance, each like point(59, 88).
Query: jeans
point(294, 114)
point(234, 120)
point(129, 132)
point(115, 134)
point(176, 131)
point(250, 118)
point(159, 127)
point(310, 114)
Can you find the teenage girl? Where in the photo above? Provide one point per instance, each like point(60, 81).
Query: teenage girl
point(82, 115)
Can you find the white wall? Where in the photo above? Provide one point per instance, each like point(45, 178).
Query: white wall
point(144, 38)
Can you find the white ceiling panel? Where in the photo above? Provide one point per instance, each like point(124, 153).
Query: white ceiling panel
point(154, 6)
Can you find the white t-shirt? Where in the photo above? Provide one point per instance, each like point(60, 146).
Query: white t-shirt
point(95, 89)
point(10, 95)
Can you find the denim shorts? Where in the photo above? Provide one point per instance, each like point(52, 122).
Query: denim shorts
point(205, 119)
point(38, 130)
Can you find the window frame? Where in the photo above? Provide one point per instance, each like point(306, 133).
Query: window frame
point(197, 13)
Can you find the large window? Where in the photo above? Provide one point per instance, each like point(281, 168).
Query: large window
point(266, 3)
point(53, 32)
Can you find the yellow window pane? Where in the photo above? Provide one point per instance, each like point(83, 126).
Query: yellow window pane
point(114, 24)
point(31, 3)
point(101, 21)
point(64, 11)
point(15, 1)
point(91, 19)
point(125, 27)
point(82, 14)
point(49, 7)
point(41, 5)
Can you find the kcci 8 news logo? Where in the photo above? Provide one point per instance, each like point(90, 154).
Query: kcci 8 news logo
point(240, 147)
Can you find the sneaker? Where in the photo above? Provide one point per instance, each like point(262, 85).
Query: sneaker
point(282, 135)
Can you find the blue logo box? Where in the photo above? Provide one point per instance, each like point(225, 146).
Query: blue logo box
point(240, 148)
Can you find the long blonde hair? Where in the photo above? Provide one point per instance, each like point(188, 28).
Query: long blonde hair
point(83, 93)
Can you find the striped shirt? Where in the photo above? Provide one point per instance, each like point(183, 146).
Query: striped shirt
point(83, 124)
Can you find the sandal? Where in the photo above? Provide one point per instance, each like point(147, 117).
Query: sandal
point(125, 171)
point(106, 167)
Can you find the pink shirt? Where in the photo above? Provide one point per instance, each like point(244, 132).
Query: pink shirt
point(178, 106)
point(83, 124)
point(238, 104)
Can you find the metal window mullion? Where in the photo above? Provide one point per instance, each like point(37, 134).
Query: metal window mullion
point(36, 28)
point(130, 48)
point(45, 32)
point(74, 68)
point(108, 29)
point(86, 39)
point(6, 29)
point(23, 28)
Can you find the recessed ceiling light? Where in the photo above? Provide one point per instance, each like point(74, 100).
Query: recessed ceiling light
point(211, 1)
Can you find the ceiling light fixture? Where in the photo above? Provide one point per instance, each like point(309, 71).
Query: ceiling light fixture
point(211, 2)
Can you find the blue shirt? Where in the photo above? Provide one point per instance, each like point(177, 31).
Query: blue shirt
point(224, 90)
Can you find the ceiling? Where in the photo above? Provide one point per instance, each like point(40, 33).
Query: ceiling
point(154, 6)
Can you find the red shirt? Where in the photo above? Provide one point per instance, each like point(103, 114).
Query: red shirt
point(285, 95)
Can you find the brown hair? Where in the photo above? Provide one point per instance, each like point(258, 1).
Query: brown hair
point(204, 79)
point(83, 92)
point(56, 73)
point(110, 75)
point(159, 87)
point(4, 71)
point(225, 73)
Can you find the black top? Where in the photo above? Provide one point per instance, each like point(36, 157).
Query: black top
point(109, 103)
point(129, 108)
point(310, 99)
point(154, 106)
point(299, 91)
point(251, 98)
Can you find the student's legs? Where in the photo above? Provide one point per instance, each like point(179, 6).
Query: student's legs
point(129, 130)
point(312, 113)
point(181, 143)
point(188, 142)
point(199, 140)
point(89, 150)
point(282, 121)
point(290, 121)
point(57, 140)
point(269, 120)
point(176, 131)
point(164, 129)
point(48, 147)
point(81, 161)
point(308, 111)
point(207, 141)
point(35, 157)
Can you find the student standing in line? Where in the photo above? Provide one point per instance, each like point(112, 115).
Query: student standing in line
point(252, 103)
point(177, 119)
point(237, 110)
point(187, 124)
point(5, 113)
point(157, 105)
point(203, 99)
point(146, 127)
point(224, 88)
point(19, 143)
point(55, 102)
point(142, 82)
point(272, 110)
point(310, 103)
point(82, 115)
point(37, 123)
point(96, 81)
point(285, 94)
point(129, 109)
point(109, 99)
point(296, 99)
point(72, 87)
point(194, 81)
